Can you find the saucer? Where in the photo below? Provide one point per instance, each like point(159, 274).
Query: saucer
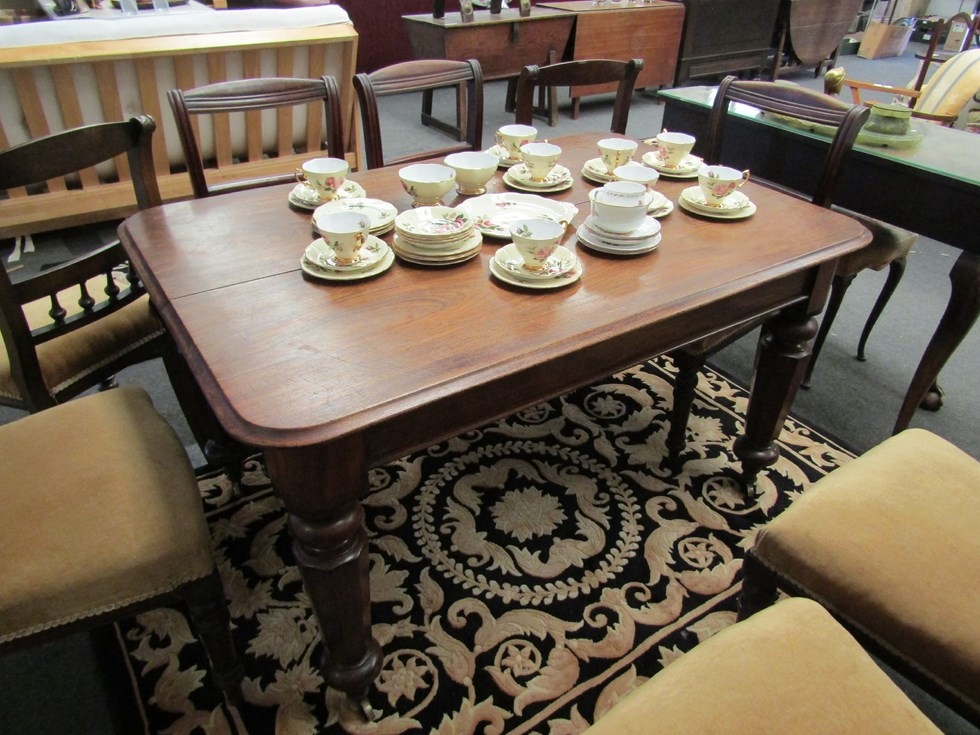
point(595, 170)
point(686, 169)
point(371, 253)
point(730, 204)
point(565, 279)
point(687, 203)
point(662, 211)
point(595, 242)
point(645, 231)
point(560, 262)
point(304, 197)
point(501, 154)
point(465, 249)
point(549, 188)
point(328, 274)
point(380, 214)
point(558, 175)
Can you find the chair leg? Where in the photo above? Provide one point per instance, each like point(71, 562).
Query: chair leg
point(837, 291)
point(896, 269)
point(205, 600)
point(688, 368)
point(759, 589)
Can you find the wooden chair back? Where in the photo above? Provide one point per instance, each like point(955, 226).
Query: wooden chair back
point(100, 283)
point(797, 102)
point(273, 146)
point(424, 75)
point(586, 72)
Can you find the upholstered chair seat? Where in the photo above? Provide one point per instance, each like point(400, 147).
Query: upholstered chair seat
point(71, 357)
point(102, 517)
point(791, 669)
point(889, 544)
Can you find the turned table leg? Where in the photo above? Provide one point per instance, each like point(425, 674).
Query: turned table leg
point(321, 487)
point(781, 362)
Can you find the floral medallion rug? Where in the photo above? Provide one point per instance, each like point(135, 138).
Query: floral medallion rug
point(524, 576)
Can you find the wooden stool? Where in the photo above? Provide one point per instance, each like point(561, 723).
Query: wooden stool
point(790, 669)
point(890, 544)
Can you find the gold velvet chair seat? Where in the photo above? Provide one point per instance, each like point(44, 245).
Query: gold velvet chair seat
point(889, 544)
point(790, 669)
point(101, 518)
point(71, 358)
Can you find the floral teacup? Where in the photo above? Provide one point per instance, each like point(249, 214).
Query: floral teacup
point(536, 240)
point(718, 182)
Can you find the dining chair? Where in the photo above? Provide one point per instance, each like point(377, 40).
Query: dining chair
point(74, 326)
point(241, 129)
point(102, 518)
point(464, 78)
point(790, 669)
point(583, 73)
point(812, 106)
point(888, 544)
point(941, 98)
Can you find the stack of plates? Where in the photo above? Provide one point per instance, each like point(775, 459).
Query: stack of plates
point(643, 239)
point(519, 177)
point(436, 236)
point(561, 269)
point(735, 206)
point(381, 214)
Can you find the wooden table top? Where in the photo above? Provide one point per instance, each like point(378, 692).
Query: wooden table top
point(289, 361)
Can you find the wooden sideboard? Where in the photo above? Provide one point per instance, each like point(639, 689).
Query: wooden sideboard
point(47, 88)
point(644, 30)
point(503, 43)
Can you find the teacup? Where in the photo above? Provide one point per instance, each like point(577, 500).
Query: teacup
point(540, 159)
point(428, 183)
point(473, 171)
point(673, 147)
point(512, 137)
point(325, 175)
point(718, 182)
point(617, 215)
point(624, 192)
point(536, 240)
point(638, 174)
point(616, 152)
point(342, 234)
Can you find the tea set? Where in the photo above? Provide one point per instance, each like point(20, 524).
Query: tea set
point(623, 217)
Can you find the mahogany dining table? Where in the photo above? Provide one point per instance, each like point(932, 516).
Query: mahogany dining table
point(332, 379)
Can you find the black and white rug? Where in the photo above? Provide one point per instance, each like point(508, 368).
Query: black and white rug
point(524, 576)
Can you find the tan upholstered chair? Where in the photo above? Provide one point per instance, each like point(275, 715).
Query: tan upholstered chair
point(102, 518)
point(268, 148)
point(424, 76)
point(889, 544)
point(74, 326)
point(790, 670)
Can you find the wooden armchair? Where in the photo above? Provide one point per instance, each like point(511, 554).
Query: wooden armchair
point(110, 527)
point(426, 75)
point(270, 150)
point(586, 72)
point(941, 99)
point(73, 327)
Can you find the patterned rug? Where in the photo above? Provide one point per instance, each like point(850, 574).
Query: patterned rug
point(524, 576)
